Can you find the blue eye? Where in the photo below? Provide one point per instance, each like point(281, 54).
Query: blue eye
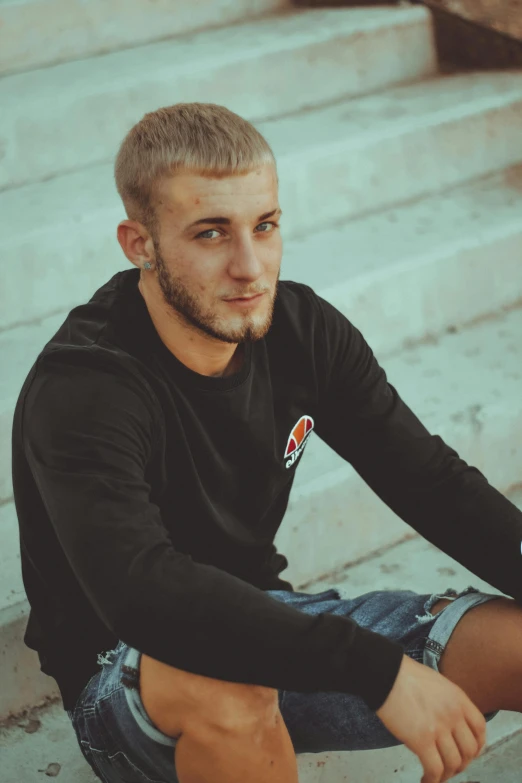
point(209, 230)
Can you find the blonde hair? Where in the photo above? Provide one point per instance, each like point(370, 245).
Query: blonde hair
point(200, 138)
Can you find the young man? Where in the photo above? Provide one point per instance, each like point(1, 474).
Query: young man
point(155, 443)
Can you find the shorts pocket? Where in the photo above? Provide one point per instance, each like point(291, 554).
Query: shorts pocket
point(117, 767)
point(88, 756)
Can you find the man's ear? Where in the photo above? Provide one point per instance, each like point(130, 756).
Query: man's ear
point(135, 241)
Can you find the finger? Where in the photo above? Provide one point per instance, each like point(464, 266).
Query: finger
point(432, 764)
point(478, 725)
point(450, 755)
point(467, 744)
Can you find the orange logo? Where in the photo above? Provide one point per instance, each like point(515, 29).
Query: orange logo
point(298, 438)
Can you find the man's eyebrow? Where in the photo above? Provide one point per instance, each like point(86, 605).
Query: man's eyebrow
point(226, 221)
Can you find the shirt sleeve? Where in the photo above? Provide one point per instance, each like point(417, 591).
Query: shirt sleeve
point(421, 478)
point(88, 436)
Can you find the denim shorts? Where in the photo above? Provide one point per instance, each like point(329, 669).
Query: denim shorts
point(121, 743)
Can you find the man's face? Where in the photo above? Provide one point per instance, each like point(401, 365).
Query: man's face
point(199, 267)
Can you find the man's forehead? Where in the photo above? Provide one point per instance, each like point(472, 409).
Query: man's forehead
point(186, 195)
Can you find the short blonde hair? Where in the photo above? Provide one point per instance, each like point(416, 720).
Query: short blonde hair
point(200, 138)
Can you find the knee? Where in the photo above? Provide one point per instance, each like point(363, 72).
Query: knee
point(178, 701)
point(239, 708)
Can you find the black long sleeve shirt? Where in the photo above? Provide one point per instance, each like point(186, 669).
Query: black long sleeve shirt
point(148, 496)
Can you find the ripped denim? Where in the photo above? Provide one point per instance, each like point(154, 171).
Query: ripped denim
point(121, 743)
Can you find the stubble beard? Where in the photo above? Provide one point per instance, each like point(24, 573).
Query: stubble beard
point(186, 305)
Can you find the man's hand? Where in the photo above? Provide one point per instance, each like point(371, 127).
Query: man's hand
point(435, 719)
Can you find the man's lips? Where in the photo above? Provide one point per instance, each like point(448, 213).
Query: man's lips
point(247, 296)
point(245, 300)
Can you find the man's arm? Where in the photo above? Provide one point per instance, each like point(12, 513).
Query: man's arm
point(422, 479)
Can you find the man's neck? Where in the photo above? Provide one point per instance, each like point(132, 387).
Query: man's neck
point(189, 358)
point(235, 363)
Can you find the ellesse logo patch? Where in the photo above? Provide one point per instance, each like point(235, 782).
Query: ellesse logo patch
point(298, 438)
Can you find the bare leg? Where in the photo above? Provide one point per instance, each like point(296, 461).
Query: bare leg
point(484, 655)
point(214, 754)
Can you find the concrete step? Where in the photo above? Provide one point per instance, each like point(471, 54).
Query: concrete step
point(464, 387)
point(416, 565)
point(76, 114)
point(359, 156)
point(433, 251)
point(70, 29)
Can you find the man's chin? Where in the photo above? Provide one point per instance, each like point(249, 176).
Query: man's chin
point(244, 335)
point(246, 329)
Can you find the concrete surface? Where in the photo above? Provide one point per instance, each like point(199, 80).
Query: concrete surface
point(97, 100)
point(38, 33)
